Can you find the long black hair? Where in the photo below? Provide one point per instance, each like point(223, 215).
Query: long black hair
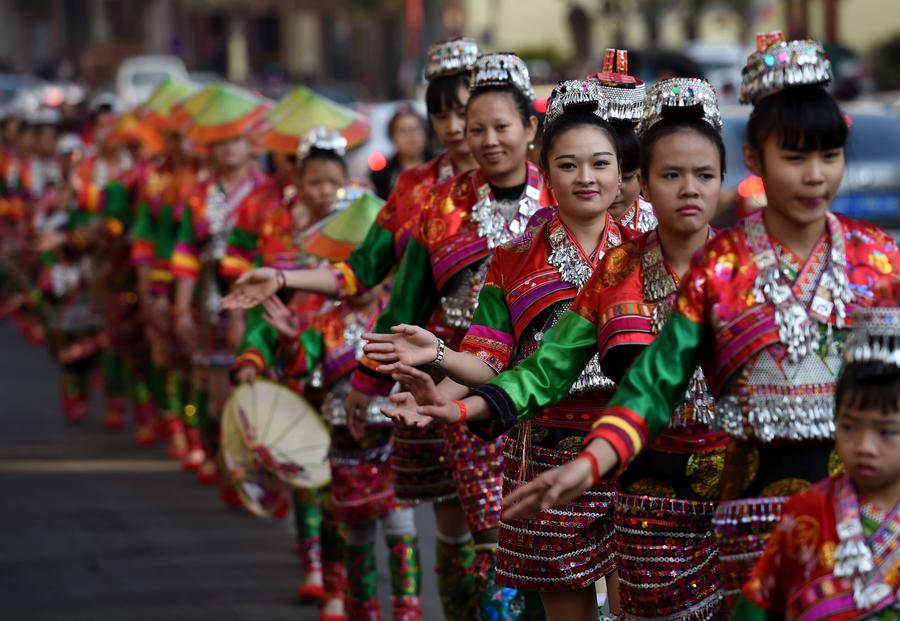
point(629, 147)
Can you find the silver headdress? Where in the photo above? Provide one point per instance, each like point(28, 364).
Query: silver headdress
point(450, 57)
point(324, 139)
point(575, 93)
point(875, 337)
point(625, 93)
point(502, 69)
point(680, 93)
point(778, 64)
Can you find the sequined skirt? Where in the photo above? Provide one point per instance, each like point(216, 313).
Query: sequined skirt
point(362, 486)
point(742, 529)
point(561, 549)
point(478, 474)
point(667, 558)
point(422, 471)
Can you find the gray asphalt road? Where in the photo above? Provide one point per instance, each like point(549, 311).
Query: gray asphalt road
point(94, 528)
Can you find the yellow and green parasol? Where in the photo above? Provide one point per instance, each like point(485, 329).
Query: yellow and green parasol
point(302, 110)
point(157, 109)
point(335, 237)
point(218, 112)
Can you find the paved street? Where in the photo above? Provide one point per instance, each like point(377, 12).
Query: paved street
point(94, 528)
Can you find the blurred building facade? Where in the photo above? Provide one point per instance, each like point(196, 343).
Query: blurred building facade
point(357, 49)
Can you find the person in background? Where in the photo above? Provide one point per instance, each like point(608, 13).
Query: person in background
point(408, 132)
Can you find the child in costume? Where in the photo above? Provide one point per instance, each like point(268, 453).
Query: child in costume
point(765, 308)
point(834, 556)
point(361, 492)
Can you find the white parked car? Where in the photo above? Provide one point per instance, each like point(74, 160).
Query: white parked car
point(138, 76)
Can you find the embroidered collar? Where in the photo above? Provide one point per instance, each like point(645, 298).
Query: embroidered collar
point(639, 217)
point(798, 326)
point(566, 255)
point(493, 223)
point(445, 168)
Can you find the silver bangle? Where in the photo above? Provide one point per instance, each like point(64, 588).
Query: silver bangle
point(439, 358)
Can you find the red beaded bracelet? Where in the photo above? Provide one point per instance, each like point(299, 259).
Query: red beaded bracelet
point(595, 465)
point(462, 412)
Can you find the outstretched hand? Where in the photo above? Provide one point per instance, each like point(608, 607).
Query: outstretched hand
point(431, 403)
point(280, 317)
point(560, 485)
point(251, 289)
point(411, 345)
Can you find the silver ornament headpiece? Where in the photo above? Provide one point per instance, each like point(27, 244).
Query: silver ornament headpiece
point(502, 69)
point(778, 64)
point(324, 139)
point(450, 57)
point(680, 93)
point(575, 94)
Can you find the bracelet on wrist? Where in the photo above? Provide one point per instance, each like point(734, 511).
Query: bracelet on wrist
point(462, 412)
point(595, 466)
point(439, 357)
point(280, 279)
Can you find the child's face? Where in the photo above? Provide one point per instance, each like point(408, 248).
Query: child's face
point(320, 180)
point(868, 443)
point(800, 185)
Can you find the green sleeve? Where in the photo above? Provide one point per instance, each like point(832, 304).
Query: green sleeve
point(309, 353)
point(259, 335)
point(414, 295)
point(143, 223)
point(545, 377)
point(185, 231)
point(374, 259)
point(655, 384)
point(166, 232)
point(117, 204)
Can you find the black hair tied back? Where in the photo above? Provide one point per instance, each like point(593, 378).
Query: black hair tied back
point(805, 118)
point(579, 116)
point(675, 119)
point(442, 93)
point(523, 104)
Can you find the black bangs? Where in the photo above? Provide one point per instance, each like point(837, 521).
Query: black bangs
point(675, 120)
point(322, 155)
point(869, 386)
point(523, 104)
point(629, 147)
point(578, 117)
point(442, 93)
point(805, 118)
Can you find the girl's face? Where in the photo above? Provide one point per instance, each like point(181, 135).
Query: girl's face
point(319, 181)
point(450, 126)
point(583, 172)
point(496, 135)
point(799, 185)
point(683, 181)
point(230, 153)
point(409, 136)
point(629, 190)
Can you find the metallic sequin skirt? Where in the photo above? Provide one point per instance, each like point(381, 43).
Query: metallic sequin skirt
point(742, 529)
point(478, 473)
point(362, 485)
point(667, 558)
point(561, 549)
point(422, 471)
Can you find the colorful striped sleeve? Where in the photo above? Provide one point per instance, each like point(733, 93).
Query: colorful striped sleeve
point(143, 245)
point(369, 264)
point(186, 257)
point(490, 337)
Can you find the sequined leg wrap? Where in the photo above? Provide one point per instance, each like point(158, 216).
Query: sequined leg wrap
point(742, 529)
point(422, 471)
point(668, 560)
point(406, 577)
point(478, 470)
point(308, 524)
point(456, 579)
point(362, 582)
point(495, 602)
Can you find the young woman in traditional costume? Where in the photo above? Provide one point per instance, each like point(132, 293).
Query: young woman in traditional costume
point(276, 241)
point(200, 262)
point(531, 282)
point(834, 554)
point(421, 470)
point(361, 493)
point(765, 308)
